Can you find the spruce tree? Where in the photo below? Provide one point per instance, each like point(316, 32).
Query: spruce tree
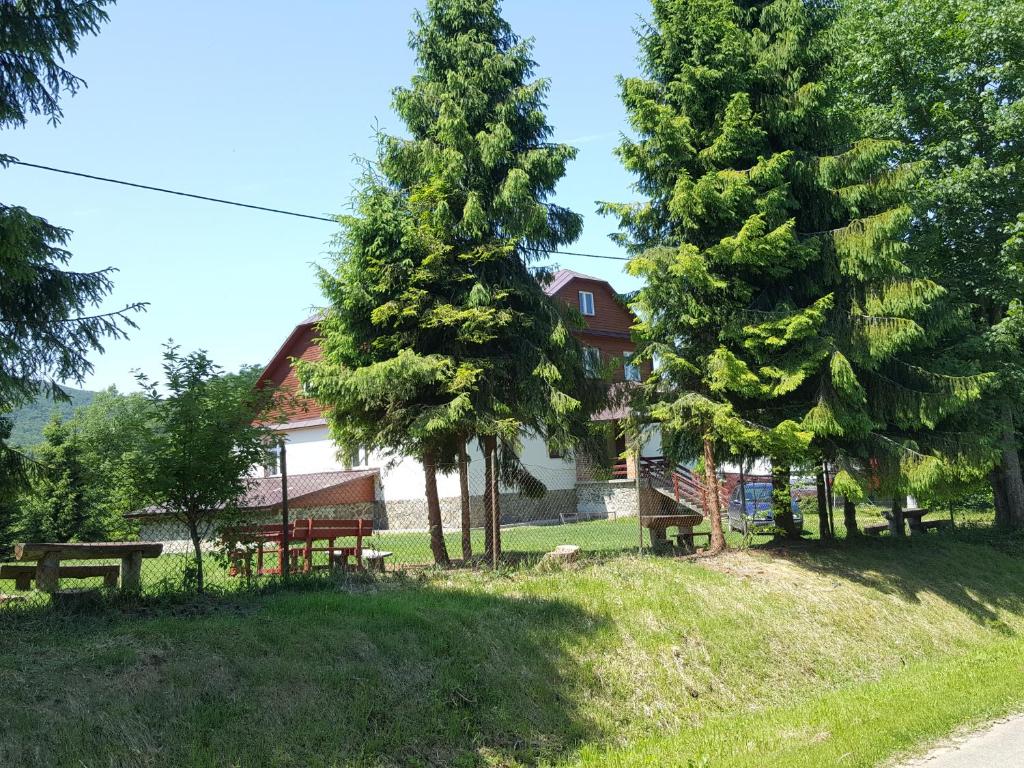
point(944, 78)
point(778, 300)
point(46, 330)
point(437, 331)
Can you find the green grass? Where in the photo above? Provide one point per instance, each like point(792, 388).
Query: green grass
point(596, 538)
point(801, 656)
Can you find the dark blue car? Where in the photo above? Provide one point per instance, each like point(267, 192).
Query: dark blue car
point(756, 512)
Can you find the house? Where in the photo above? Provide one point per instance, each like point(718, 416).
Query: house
point(572, 486)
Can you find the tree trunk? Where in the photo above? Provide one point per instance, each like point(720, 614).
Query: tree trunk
point(197, 548)
point(467, 520)
point(822, 493)
point(714, 498)
point(437, 545)
point(897, 525)
point(1007, 483)
point(492, 501)
point(850, 518)
point(782, 500)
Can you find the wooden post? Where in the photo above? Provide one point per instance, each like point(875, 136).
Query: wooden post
point(282, 557)
point(48, 572)
point(131, 572)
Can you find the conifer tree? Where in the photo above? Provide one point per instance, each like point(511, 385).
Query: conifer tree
point(61, 506)
point(437, 331)
point(778, 301)
point(944, 78)
point(46, 329)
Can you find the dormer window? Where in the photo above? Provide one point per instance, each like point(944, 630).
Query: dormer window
point(587, 303)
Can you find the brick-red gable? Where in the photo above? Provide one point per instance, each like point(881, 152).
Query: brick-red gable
point(608, 330)
point(280, 373)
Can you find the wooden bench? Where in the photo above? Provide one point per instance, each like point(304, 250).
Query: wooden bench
point(267, 540)
point(311, 531)
point(876, 529)
point(658, 525)
point(374, 559)
point(929, 525)
point(47, 556)
point(23, 574)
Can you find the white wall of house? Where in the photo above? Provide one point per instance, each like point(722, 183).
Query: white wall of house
point(310, 450)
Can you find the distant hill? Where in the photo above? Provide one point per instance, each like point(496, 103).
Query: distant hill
point(30, 419)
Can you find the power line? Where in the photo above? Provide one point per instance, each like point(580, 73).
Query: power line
point(171, 191)
point(237, 204)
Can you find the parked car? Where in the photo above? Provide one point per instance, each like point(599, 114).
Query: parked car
point(756, 510)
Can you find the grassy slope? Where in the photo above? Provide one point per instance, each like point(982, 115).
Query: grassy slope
point(756, 659)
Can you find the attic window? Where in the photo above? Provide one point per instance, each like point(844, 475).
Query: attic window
point(586, 303)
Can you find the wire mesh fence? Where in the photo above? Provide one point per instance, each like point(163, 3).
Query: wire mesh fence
point(306, 527)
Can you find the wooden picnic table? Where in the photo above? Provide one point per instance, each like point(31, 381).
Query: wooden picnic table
point(47, 557)
point(658, 525)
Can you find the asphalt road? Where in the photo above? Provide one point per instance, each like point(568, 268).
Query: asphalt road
point(999, 746)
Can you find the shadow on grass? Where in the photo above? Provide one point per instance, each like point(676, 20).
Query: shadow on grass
point(978, 579)
point(386, 673)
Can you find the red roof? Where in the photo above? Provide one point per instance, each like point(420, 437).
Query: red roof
point(264, 493)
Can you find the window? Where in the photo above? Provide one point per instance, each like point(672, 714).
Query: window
point(272, 465)
point(553, 452)
point(592, 360)
point(586, 303)
point(631, 371)
point(360, 457)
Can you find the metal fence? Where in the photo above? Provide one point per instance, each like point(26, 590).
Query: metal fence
point(311, 527)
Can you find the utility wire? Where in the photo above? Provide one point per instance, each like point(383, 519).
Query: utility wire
point(13, 161)
point(265, 209)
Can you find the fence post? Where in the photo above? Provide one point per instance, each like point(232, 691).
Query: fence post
point(285, 541)
point(495, 515)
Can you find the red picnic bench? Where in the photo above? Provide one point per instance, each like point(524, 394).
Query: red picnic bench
point(303, 545)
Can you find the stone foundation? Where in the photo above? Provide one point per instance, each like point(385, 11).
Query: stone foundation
point(612, 499)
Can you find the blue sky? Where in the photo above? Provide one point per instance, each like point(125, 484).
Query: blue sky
point(268, 102)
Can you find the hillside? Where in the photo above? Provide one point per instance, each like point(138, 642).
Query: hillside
point(30, 419)
point(802, 658)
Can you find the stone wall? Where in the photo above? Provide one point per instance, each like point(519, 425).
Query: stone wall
point(411, 514)
point(612, 499)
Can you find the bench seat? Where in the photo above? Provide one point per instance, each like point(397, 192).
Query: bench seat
point(23, 574)
point(877, 528)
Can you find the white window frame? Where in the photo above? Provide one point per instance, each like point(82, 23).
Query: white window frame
point(587, 302)
point(630, 371)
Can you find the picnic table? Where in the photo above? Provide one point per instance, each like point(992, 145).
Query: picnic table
point(47, 557)
point(658, 525)
point(914, 518)
point(307, 538)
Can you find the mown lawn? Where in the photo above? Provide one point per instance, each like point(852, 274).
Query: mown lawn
point(798, 657)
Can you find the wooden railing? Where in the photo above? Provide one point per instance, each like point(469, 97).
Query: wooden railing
point(685, 486)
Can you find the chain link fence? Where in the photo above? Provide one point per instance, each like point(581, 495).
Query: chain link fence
point(308, 527)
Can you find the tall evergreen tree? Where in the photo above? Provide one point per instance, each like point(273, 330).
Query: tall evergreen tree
point(944, 78)
point(61, 506)
point(46, 330)
point(778, 301)
point(437, 331)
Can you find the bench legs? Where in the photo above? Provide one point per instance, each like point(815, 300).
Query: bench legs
point(131, 572)
point(48, 573)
